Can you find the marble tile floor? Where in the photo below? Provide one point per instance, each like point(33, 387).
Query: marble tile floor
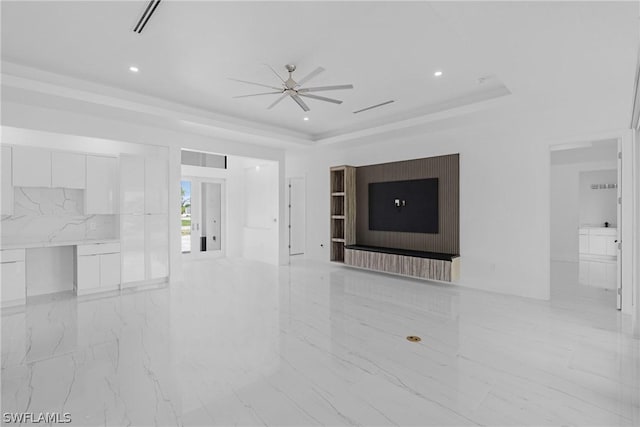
point(245, 343)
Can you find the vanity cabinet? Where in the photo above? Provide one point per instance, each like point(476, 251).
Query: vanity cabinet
point(13, 276)
point(31, 167)
point(68, 170)
point(101, 195)
point(598, 241)
point(7, 182)
point(98, 268)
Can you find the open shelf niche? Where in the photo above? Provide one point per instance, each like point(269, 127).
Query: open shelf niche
point(343, 209)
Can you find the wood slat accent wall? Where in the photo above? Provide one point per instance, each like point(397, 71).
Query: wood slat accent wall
point(447, 170)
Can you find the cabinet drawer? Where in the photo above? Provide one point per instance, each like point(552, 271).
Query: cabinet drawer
point(12, 255)
point(99, 248)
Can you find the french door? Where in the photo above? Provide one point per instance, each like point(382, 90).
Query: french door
point(203, 217)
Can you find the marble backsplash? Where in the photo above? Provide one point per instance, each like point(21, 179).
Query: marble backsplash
point(54, 215)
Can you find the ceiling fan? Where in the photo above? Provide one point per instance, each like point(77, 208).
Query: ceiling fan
point(291, 88)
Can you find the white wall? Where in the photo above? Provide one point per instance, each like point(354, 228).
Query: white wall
point(598, 206)
point(504, 202)
point(565, 206)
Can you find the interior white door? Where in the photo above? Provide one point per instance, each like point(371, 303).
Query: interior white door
point(619, 231)
point(297, 222)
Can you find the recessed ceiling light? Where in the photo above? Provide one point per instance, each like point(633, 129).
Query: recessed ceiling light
point(306, 119)
point(437, 73)
point(134, 69)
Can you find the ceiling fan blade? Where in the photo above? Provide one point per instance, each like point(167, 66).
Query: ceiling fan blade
point(300, 102)
point(275, 72)
point(277, 101)
point(310, 76)
point(257, 94)
point(256, 84)
point(320, 98)
point(318, 89)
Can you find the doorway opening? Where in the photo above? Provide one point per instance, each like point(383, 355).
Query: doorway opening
point(585, 225)
point(202, 216)
point(229, 207)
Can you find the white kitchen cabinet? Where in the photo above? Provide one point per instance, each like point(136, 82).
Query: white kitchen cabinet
point(68, 170)
point(88, 273)
point(110, 270)
point(101, 195)
point(156, 246)
point(132, 184)
point(98, 268)
point(156, 186)
point(13, 276)
point(31, 167)
point(6, 188)
point(132, 245)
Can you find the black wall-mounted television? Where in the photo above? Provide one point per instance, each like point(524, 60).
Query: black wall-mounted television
point(406, 206)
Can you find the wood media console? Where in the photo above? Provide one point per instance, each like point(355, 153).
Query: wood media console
point(418, 264)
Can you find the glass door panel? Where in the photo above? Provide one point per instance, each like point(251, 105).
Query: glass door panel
point(185, 215)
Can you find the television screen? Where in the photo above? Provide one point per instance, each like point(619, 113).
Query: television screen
point(407, 206)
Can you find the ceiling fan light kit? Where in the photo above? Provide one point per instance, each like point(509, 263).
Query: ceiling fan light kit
point(292, 88)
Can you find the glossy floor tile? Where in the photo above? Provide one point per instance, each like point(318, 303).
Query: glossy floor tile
point(244, 343)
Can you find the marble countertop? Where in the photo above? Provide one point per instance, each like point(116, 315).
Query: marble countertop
point(40, 244)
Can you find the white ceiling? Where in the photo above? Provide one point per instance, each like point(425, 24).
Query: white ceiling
point(574, 58)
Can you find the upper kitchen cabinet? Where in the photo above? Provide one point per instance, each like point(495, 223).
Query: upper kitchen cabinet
point(132, 184)
point(7, 185)
point(101, 195)
point(156, 186)
point(68, 170)
point(31, 167)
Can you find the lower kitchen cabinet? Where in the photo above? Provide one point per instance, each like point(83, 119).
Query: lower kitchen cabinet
point(98, 268)
point(12, 276)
